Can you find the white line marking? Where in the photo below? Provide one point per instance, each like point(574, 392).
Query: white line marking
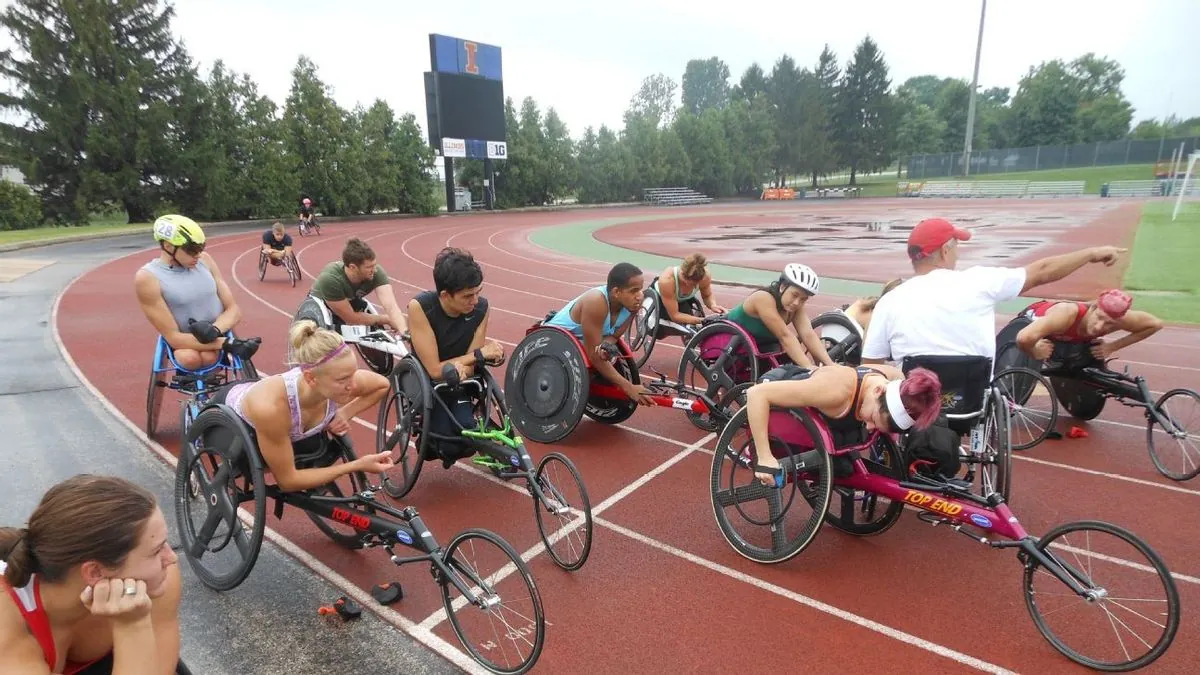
point(1106, 474)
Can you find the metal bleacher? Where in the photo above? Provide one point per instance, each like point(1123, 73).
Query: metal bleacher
point(992, 189)
point(1135, 188)
point(674, 196)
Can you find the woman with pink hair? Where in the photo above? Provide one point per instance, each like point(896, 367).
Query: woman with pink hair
point(852, 401)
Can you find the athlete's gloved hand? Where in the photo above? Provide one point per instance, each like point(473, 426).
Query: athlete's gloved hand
point(204, 331)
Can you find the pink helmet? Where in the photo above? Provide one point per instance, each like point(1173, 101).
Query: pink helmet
point(1115, 302)
point(307, 201)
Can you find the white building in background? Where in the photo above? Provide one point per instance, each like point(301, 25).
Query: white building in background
point(13, 174)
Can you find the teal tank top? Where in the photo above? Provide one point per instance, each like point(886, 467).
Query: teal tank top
point(563, 318)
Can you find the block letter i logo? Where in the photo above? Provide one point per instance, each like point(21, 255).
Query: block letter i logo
point(471, 66)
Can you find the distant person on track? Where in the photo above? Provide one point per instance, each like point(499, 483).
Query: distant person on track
point(292, 413)
point(306, 214)
point(767, 313)
point(943, 311)
point(182, 294)
point(862, 309)
point(277, 243)
point(1080, 325)
point(91, 586)
point(600, 315)
point(853, 402)
point(449, 324)
point(685, 290)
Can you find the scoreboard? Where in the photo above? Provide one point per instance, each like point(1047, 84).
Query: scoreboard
point(464, 99)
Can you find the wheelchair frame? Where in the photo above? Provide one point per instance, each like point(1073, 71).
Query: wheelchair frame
point(194, 384)
point(289, 263)
point(376, 524)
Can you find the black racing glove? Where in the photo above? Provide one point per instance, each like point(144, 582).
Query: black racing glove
point(204, 331)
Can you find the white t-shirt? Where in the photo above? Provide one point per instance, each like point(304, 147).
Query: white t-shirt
point(944, 312)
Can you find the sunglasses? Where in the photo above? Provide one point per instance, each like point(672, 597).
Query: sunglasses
point(193, 250)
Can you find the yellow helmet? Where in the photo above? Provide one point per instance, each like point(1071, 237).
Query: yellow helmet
point(178, 230)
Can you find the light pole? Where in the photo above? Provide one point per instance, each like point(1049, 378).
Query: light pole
point(971, 104)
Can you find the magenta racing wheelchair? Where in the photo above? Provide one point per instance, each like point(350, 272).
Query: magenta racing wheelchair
point(873, 483)
point(451, 420)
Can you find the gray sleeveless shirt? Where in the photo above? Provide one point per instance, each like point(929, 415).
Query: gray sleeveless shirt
point(189, 294)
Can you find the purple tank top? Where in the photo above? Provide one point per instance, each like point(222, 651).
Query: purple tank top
point(291, 384)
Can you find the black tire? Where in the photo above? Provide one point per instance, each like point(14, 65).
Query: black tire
point(262, 265)
point(816, 491)
point(187, 415)
point(643, 330)
point(1151, 423)
point(1018, 385)
point(538, 623)
point(399, 429)
point(610, 410)
point(154, 397)
point(239, 462)
point(546, 385)
point(998, 447)
point(884, 459)
point(1152, 561)
point(554, 492)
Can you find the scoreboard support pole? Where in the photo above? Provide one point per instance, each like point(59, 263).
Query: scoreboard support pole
point(448, 168)
point(489, 184)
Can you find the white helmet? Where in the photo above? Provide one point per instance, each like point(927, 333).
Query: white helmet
point(802, 276)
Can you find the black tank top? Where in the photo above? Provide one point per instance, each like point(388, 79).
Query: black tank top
point(846, 430)
point(453, 334)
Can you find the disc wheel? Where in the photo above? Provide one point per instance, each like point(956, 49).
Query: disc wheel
point(1032, 405)
point(1133, 614)
point(352, 483)
point(564, 518)
point(546, 385)
point(219, 454)
point(1083, 401)
point(501, 624)
point(1176, 451)
point(865, 514)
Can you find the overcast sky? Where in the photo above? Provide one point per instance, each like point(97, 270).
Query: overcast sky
point(587, 59)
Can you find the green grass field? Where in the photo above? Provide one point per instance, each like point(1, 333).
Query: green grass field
point(100, 226)
point(1163, 275)
point(884, 184)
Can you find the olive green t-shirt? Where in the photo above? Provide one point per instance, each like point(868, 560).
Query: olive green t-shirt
point(332, 285)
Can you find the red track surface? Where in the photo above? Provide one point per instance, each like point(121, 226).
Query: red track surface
point(662, 590)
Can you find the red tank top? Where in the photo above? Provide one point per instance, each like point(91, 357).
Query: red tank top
point(28, 600)
point(1039, 309)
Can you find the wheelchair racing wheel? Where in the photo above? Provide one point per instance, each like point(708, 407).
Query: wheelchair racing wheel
point(401, 427)
point(613, 410)
point(834, 328)
point(715, 360)
point(643, 330)
point(220, 454)
point(546, 385)
point(337, 448)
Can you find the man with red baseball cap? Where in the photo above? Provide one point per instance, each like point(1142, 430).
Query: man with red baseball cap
point(1084, 323)
point(944, 311)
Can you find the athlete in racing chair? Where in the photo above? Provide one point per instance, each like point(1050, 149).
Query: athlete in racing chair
point(843, 330)
point(277, 243)
point(91, 586)
point(183, 295)
point(306, 214)
point(599, 316)
point(338, 297)
point(853, 401)
point(293, 414)
point(448, 329)
point(944, 319)
point(767, 313)
point(1068, 333)
point(683, 288)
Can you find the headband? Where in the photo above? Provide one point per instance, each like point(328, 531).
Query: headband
point(328, 357)
point(896, 407)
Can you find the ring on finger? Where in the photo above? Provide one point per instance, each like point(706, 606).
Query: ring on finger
point(131, 590)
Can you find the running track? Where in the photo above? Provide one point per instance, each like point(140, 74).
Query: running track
point(662, 589)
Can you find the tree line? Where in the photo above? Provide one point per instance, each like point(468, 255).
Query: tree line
point(120, 118)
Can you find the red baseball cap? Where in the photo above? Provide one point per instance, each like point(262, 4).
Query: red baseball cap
point(933, 233)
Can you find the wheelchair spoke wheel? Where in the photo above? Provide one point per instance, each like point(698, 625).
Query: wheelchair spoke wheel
point(768, 524)
point(352, 483)
point(154, 398)
point(865, 514)
point(187, 415)
point(263, 260)
point(1133, 614)
point(564, 513)
point(1031, 404)
point(1176, 451)
point(995, 465)
point(643, 328)
point(293, 270)
point(219, 456)
point(501, 622)
point(399, 432)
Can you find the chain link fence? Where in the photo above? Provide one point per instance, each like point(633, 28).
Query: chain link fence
point(1042, 157)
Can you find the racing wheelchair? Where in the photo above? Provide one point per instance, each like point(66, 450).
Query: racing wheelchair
point(220, 453)
point(768, 524)
point(195, 385)
point(451, 420)
point(289, 264)
point(312, 226)
point(551, 384)
point(652, 324)
point(1082, 384)
point(838, 331)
